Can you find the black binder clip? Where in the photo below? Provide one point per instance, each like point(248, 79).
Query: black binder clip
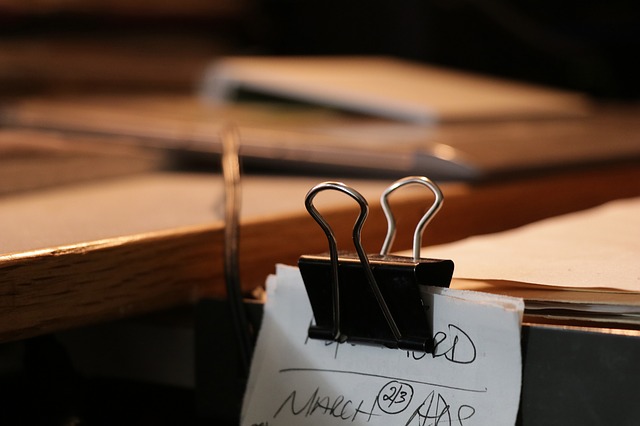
point(372, 299)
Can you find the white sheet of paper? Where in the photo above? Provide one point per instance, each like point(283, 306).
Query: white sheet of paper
point(473, 377)
point(597, 248)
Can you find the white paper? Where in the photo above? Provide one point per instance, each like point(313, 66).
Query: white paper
point(597, 248)
point(473, 377)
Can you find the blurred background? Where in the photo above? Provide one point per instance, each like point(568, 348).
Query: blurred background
point(588, 46)
point(148, 58)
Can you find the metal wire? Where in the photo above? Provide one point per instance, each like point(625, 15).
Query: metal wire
point(424, 221)
point(232, 197)
point(357, 237)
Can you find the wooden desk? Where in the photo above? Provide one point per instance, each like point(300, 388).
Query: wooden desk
point(95, 252)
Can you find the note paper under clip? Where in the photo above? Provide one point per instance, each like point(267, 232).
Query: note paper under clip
point(472, 376)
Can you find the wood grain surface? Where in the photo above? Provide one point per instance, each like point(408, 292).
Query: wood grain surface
point(55, 288)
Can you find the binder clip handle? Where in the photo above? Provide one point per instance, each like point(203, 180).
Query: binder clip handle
point(335, 333)
point(424, 221)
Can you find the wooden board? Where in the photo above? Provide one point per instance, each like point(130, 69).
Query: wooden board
point(130, 257)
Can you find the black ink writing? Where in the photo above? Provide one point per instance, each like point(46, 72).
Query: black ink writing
point(338, 407)
point(455, 345)
point(382, 376)
point(465, 412)
point(435, 411)
point(394, 397)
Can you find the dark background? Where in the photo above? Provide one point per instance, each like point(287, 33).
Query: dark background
point(585, 45)
point(590, 46)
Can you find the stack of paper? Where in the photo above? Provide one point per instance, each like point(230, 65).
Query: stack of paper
point(580, 266)
point(417, 118)
point(389, 87)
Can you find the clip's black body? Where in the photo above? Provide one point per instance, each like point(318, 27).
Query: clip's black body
point(361, 318)
point(372, 299)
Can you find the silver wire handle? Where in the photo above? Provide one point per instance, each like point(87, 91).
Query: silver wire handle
point(333, 251)
point(424, 221)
